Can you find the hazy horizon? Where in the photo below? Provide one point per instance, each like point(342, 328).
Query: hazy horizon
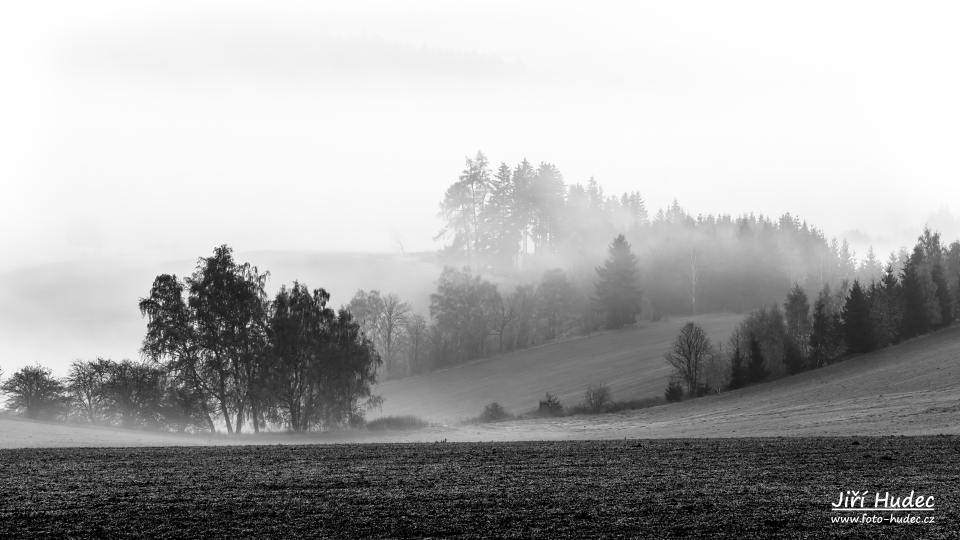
point(139, 134)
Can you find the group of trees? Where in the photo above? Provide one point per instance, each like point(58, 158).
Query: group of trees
point(127, 394)
point(472, 317)
point(513, 223)
point(218, 352)
point(915, 293)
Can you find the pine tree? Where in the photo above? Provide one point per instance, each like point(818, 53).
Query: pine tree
point(920, 308)
point(870, 269)
point(857, 330)
point(617, 291)
point(826, 332)
point(944, 298)
point(887, 308)
point(502, 241)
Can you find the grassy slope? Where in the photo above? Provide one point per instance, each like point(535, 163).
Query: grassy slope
point(909, 389)
point(630, 361)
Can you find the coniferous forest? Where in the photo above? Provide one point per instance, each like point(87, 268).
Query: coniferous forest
point(528, 258)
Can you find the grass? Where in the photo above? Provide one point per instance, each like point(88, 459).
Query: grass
point(630, 361)
point(751, 488)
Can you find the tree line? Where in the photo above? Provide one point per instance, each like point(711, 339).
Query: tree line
point(515, 222)
point(471, 316)
point(916, 292)
point(218, 354)
point(522, 259)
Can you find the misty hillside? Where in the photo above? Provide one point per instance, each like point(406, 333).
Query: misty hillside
point(909, 389)
point(630, 361)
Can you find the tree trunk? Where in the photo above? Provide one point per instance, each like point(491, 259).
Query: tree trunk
point(206, 414)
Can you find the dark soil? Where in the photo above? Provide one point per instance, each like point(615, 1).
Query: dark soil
point(637, 488)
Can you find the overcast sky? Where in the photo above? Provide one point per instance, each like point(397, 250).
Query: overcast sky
point(158, 129)
point(139, 132)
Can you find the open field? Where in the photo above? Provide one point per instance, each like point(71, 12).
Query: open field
point(629, 361)
point(748, 488)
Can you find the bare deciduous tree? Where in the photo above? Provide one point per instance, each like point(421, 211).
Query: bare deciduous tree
point(691, 351)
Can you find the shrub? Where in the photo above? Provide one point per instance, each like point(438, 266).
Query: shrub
point(674, 391)
point(396, 422)
point(596, 398)
point(494, 412)
point(550, 406)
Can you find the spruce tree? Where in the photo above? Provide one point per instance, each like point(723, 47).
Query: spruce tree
point(857, 331)
point(944, 298)
point(617, 291)
point(919, 296)
point(889, 300)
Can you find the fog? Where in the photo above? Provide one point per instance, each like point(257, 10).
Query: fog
point(138, 136)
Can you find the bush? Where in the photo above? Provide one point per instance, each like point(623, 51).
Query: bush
point(396, 422)
point(494, 412)
point(674, 391)
point(550, 406)
point(596, 398)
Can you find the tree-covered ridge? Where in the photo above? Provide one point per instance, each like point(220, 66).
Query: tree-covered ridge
point(515, 222)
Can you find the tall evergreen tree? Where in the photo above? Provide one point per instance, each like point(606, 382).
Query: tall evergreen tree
point(617, 290)
point(920, 305)
point(826, 332)
point(857, 329)
point(463, 208)
point(888, 310)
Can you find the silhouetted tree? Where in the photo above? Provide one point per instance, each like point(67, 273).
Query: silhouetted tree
point(920, 308)
point(826, 332)
point(322, 364)
point(34, 392)
point(886, 312)
point(133, 393)
point(173, 340)
point(689, 354)
point(463, 208)
point(857, 326)
point(617, 289)
point(86, 382)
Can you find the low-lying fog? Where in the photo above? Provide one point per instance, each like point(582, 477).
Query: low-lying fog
point(139, 136)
